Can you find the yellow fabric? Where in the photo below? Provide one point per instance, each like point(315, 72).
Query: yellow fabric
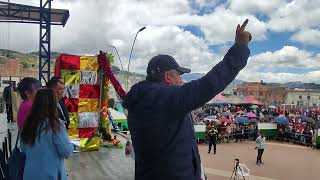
point(70, 76)
point(90, 144)
point(89, 63)
point(73, 133)
point(88, 105)
point(74, 120)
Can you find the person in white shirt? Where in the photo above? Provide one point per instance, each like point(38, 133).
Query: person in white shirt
point(260, 141)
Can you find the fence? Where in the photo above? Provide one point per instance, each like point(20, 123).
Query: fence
point(296, 138)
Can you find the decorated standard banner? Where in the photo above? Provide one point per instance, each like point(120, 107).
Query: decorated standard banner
point(267, 126)
point(268, 129)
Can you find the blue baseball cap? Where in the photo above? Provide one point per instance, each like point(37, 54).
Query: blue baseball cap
point(162, 62)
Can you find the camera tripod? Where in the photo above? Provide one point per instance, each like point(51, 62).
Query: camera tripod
point(235, 169)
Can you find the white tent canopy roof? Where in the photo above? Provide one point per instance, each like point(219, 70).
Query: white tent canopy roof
point(117, 115)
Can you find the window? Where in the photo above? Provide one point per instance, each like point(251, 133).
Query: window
point(270, 94)
point(260, 93)
point(300, 97)
point(308, 97)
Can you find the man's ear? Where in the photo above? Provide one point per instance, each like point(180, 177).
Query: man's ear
point(166, 77)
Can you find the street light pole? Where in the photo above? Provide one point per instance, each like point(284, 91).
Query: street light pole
point(118, 55)
point(141, 29)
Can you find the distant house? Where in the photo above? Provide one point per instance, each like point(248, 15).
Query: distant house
point(268, 94)
point(303, 97)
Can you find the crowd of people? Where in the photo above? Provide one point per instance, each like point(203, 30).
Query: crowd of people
point(301, 128)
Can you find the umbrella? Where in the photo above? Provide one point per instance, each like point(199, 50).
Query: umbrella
point(254, 106)
point(226, 113)
point(251, 115)
point(272, 107)
point(242, 120)
point(307, 119)
point(281, 120)
point(253, 120)
point(269, 116)
point(301, 116)
point(225, 120)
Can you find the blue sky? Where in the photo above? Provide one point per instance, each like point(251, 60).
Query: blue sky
point(198, 33)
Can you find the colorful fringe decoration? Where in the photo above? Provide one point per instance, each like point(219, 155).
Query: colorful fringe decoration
point(106, 67)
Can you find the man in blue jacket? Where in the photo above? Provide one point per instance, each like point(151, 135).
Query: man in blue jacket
point(159, 108)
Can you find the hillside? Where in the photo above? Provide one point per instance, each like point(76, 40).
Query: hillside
point(194, 76)
point(31, 60)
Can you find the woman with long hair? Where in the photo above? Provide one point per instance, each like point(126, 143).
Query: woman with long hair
point(27, 88)
point(44, 139)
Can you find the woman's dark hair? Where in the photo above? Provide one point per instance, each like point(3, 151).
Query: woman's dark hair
point(44, 108)
point(27, 84)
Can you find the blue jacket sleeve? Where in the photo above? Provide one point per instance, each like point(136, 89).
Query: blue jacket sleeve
point(61, 140)
point(196, 93)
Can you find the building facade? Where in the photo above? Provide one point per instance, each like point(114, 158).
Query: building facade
point(268, 94)
point(304, 97)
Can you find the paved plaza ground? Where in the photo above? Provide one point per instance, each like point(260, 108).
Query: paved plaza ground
point(283, 161)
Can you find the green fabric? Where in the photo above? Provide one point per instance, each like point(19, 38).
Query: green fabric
point(122, 125)
point(318, 140)
point(200, 135)
point(269, 132)
point(119, 107)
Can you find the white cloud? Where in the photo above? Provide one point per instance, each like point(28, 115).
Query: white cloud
point(312, 76)
point(95, 24)
point(297, 14)
point(288, 56)
point(273, 62)
point(187, 49)
point(255, 6)
point(219, 27)
point(307, 36)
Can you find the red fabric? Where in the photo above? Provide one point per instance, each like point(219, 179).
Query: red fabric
point(86, 132)
point(252, 100)
point(106, 67)
point(238, 109)
point(72, 104)
point(89, 91)
point(70, 62)
point(225, 120)
point(57, 67)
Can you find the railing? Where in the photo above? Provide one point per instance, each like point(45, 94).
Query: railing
point(296, 138)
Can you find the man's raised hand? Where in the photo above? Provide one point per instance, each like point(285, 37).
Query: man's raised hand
point(243, 37)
